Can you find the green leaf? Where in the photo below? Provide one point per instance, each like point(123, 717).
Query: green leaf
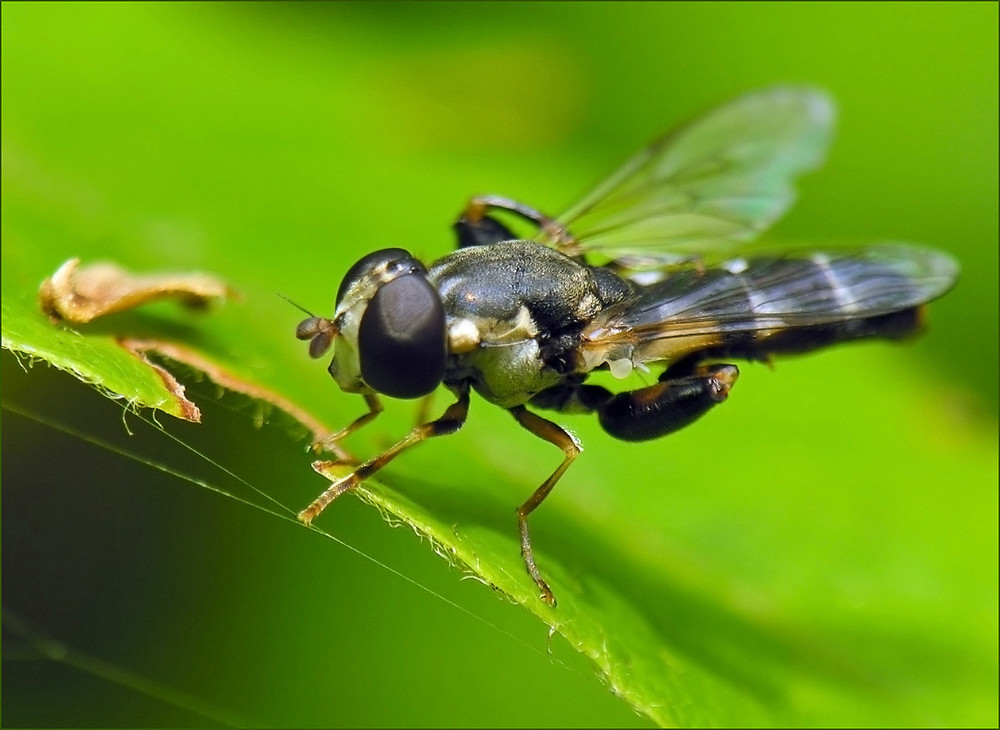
point(821, 551)
point(98, 360)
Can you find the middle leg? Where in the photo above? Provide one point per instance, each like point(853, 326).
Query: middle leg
point(554, 434)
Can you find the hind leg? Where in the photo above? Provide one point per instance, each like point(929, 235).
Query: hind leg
point(651, 412)
point(671, 404)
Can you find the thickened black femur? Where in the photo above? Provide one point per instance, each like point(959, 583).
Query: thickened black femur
point(401, 338)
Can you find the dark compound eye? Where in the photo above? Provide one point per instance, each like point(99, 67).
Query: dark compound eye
point(371, 262)
point(401, 338)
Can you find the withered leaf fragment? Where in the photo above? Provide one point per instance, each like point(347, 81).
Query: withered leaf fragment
point(80, 294)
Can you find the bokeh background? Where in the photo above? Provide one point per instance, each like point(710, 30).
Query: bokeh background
point(275, 144)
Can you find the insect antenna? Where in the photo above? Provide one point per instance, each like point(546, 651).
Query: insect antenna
point(294, 304)
point(320, 331)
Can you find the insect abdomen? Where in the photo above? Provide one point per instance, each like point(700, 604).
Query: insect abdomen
point(795, 340)
point(819, 300)
point(757, 307)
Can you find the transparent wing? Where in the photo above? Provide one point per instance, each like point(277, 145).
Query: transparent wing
point(718, 181)
point(779, 292)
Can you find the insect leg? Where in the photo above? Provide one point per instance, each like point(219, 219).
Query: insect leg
point(475, 228)
point(424, 409)
point(483, 231)
point(552, 433)
point(671, 404)
point(571, 397)
point(450, 421)
point(331, 442)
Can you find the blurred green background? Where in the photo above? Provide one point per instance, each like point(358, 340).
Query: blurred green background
point(274, 144)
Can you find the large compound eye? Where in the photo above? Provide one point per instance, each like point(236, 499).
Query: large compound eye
point(401, 338)
point(369, 263)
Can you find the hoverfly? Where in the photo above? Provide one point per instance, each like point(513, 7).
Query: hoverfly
point(642, 271)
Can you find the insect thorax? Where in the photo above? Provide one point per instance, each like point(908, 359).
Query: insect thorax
point(514, 313)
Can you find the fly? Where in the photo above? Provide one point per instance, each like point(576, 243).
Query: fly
point(645, 270)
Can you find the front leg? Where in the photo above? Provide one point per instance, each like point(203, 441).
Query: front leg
point(452, 420)
point(332, 442)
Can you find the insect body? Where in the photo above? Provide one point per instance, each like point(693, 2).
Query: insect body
point(642, 272)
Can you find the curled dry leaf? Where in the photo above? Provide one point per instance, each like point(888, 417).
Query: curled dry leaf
point(218, 375)
point(80, 294)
